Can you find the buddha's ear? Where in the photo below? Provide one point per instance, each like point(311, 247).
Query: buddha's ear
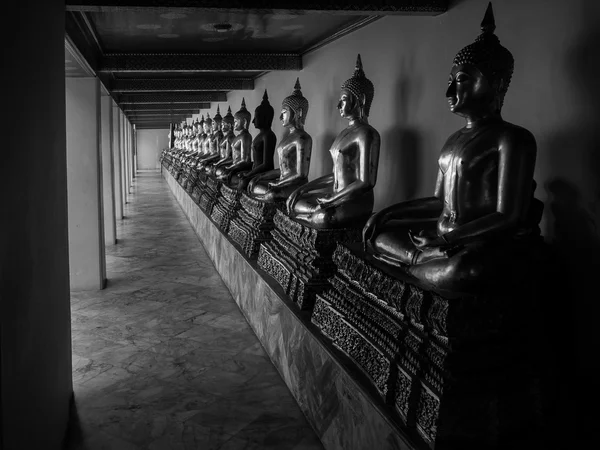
point(300, 113)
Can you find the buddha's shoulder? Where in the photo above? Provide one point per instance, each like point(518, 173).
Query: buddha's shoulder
point(509, 132)
point(366, 130)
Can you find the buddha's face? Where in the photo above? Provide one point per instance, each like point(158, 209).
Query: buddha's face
point(206, 127)
point(469, 92)
point(216, 126)
point(286, 117)
point(347, 105)
point(226, 127)
point(238, 124)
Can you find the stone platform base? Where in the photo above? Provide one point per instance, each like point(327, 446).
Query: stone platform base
point(299, 257)
point(338, 401)
point(209, 187)
point(226, 205)
point(456, 370)
point(253, 224)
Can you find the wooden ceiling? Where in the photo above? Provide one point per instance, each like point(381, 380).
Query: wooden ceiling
point(164, 60)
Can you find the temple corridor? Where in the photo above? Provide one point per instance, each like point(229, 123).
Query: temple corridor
point(163, 358)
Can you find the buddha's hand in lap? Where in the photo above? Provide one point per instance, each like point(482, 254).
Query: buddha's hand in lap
point(369, 229)
point(423, 240)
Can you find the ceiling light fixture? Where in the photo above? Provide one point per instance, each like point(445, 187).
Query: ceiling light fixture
point(222, 27)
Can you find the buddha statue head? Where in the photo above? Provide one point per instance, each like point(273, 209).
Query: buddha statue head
point(294, 108)
point(208, 124)
point(263, 114)
point(481, 73)
point(227, 121)
point(196, 126)
point(356, 94)
point(217, 121)
point(241, 119)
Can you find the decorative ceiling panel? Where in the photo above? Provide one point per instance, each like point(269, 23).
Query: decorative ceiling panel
point(213, 31)
point(278, 7)
point(182, 84)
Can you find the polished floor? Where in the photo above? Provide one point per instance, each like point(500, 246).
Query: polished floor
point(163, 358)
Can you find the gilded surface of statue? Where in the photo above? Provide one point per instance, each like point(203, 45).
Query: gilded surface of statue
point(483, 212)
point(294, 151)
point(344, 198)
point(241, 146)
point(263, 145)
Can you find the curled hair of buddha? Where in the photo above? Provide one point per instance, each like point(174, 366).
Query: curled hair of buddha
point(228, 117)
point(493, 60)
point(218, 117)
point(208, 120)
point(265, 111)
point(201, 121)
point(243, 113)
point(297, 103)
point(360, 86)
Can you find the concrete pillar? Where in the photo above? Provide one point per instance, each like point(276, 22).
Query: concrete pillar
point(129, 159)
point(134, 146)
point(118, 187)
point(84, 184)
point(108, 167)
point(35, 324)
point(122, 153)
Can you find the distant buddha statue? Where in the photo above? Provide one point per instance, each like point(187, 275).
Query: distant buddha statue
point(263, 145)
point(199, 125)
point(344, 197)
point(483, 211)
point(210, 160)
point(195, 132)
point(294, 152)
point(240, 146)
point(217, 134)
point(207, 126)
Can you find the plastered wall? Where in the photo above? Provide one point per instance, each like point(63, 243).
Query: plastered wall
point(150, 143)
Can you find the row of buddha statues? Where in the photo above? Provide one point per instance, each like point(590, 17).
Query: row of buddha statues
point(430, 263)
point(482, 203)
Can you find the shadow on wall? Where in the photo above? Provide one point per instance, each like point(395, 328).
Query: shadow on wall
point(401, 158)
point(573, 211)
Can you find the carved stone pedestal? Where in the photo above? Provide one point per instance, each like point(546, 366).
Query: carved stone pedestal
point(210, 192)
point(455, 370)
point(225, 207)
point(253, 224)
point(299, 257)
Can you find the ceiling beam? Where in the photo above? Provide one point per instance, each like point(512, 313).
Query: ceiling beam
point(182, 84)
point(199, 62)
point(161, 113)
point(164, 106)
point(348, 7)
point(192, 97)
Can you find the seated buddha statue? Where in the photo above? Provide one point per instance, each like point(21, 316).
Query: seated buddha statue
point(294, 152)
point(223, 157)
point(240, 146)
point(207, 128)
point(213, 139)
point(344, 197)
point(198, 130)
point(263, 145)
point(483, 208)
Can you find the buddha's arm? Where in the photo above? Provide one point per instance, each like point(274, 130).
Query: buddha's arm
point(515, 175)
point(268, 147)
point(368, 159)
point(303, 152)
